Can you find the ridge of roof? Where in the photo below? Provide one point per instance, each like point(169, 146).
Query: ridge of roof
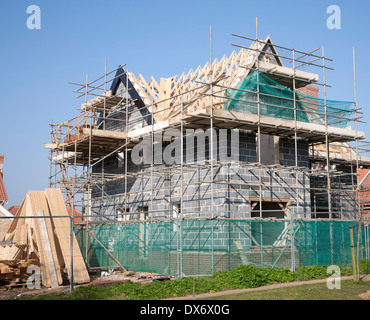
point(227, 71)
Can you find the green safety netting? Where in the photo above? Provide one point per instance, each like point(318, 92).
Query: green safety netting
point(201, 247)
point(278, 101)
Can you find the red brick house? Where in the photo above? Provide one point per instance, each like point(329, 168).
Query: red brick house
point(364, 193)
point(3, 195)
point(4, 223)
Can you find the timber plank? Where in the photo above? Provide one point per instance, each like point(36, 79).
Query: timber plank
point(34, 226)
point(62, 230)
point(48, 251)
point(50, 269)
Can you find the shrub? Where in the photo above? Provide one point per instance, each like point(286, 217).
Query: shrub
point(364, 266)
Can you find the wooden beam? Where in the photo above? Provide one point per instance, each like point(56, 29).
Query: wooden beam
point(253, 119)
point(48, 251)
point(46, 243)
point(341, 157)
point(50, 145)
point(148, 129)
point(98, 102)
point(105, 133)
point(288, 72)
point(58, 210)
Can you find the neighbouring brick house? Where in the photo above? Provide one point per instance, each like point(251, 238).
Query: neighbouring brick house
point(4, 223)
point(3, 195)
point(364, 183)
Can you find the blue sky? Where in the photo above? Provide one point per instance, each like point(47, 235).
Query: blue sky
point(159, 38)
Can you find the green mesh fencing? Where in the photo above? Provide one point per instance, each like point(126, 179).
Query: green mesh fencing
point(202, 247)
point(278, 101)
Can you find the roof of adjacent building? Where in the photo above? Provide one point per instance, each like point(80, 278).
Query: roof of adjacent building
point(13, 210)
point(363, 177)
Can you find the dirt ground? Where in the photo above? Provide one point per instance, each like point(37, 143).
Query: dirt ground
point(17, 292)
point(365, 296)
point(102, 279)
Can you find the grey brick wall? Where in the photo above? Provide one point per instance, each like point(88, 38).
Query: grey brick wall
point(230, 200)
point(342, 192)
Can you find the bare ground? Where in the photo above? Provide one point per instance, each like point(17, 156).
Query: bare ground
point(112, 278)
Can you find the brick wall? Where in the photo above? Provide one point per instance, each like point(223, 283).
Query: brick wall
point(342, 193)
point(309, 90)
point(230, 200)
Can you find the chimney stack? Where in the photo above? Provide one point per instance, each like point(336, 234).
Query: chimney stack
point(1, 165)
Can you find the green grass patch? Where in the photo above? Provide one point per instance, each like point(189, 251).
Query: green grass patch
point(349, 290)
point(240, 277)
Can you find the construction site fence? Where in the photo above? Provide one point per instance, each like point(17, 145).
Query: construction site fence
point(203, 247)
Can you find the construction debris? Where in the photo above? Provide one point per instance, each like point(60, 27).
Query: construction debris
point(41, 235)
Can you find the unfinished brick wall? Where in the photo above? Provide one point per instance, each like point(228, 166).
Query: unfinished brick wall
point(230, 200)
point(309, 90)
point(342, 193)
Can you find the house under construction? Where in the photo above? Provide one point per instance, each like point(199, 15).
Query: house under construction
point(242, 160)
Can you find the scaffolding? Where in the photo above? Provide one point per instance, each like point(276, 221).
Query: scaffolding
point(112, 122)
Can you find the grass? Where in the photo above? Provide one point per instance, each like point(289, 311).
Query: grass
point(241, 277)
point(349, 290)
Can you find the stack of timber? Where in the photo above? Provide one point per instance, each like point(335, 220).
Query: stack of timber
point(40, 234)
point(14, 273)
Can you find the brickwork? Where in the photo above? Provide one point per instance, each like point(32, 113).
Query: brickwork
point(309, 90)
point(342, 193)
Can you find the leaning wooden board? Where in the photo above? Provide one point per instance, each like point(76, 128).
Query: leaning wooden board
point(50, 268)
point(62, 230)
point(16, 222)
